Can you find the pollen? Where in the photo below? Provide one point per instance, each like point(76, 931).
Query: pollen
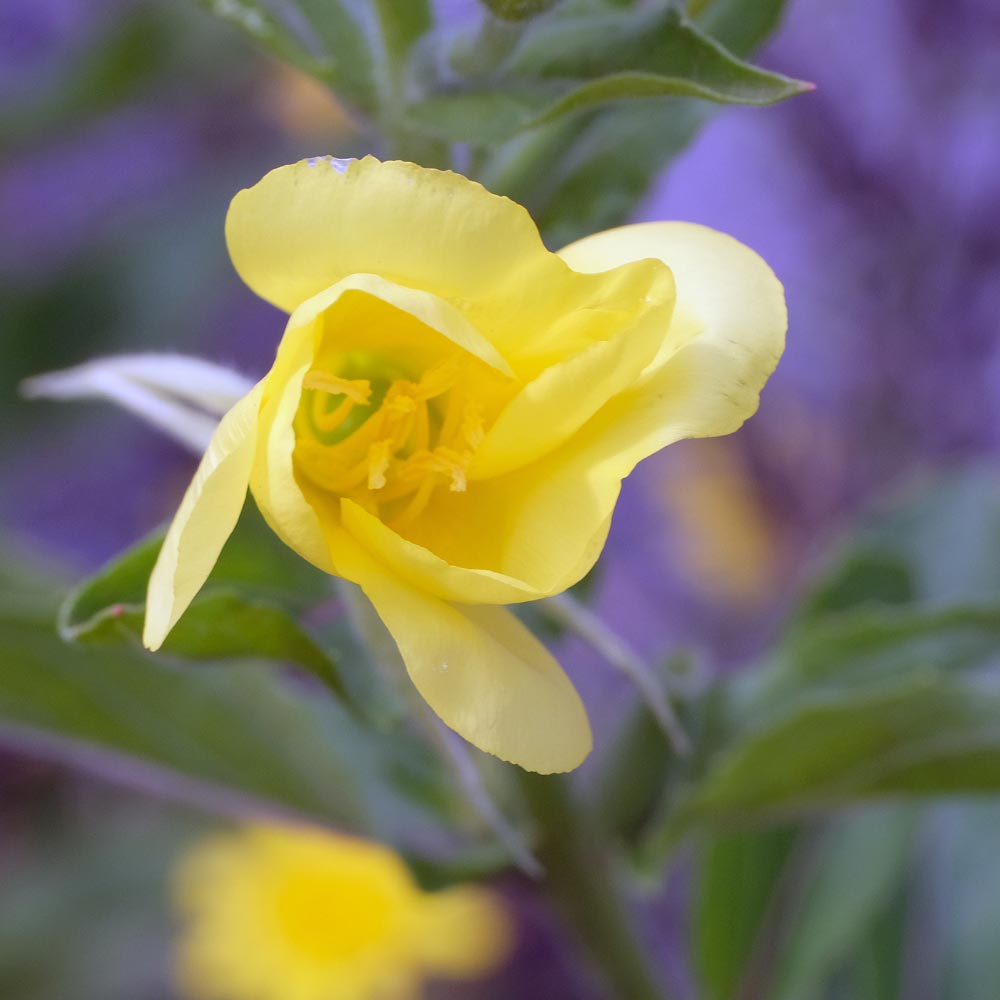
point(390, 444)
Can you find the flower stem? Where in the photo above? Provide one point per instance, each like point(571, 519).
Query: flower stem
point(569, 612)
point(579, 877)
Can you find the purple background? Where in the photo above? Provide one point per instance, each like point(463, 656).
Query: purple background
point(876, 199)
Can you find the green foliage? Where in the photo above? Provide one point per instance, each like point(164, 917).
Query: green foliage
point(891, 639)
point(564, 65)
point(866, 701)
point(268, 31)
point(924, 733)
point(84, 903)
point(740, 26)
point(573, 107)
point(868, 852)
point(778, 911)
point(736, 876)
point(209, 723)
point(334, 34)
point(225, 621)
point(518, 10)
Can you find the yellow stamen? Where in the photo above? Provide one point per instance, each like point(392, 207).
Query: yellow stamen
point(379, 455)
point(327, 421)
point(473, 425)
point(452, 419)
point(358, 389)
point(420, 437)
point(438, 379)
point(418, 502)
point(400, 454)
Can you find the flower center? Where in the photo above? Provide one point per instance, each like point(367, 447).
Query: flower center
point(326, 917)
point(386, 440)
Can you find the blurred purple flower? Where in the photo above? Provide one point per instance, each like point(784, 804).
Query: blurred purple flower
point(36, 34)
point(54, 198)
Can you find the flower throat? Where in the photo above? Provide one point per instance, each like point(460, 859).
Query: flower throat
point(370, 433)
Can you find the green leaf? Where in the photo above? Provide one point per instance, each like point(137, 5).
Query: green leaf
point(402, 23)
point(876, 970)
point(335, 29)
point(936, 543)
point(240, 735)
point(586, 173)
point(736, 879)
point(773, 918)
point(741, 25)
point(855, 870)
point(245, 742)
point(97, 887)
point(321, 37)
point(272, 34)
point(219, 626)
point(925, 733)
point(109, 609)
point(566, 65)
point(868, 646)
point(962, 878)
point(633, 773)
point(866, 575)
point(518, 10)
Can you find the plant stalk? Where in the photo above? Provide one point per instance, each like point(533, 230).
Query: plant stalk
point(580, 879)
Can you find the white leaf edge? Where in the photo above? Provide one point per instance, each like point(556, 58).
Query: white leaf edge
point(182, 396)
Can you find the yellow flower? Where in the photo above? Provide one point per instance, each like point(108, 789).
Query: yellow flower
point(452, 410)
point(272, 913)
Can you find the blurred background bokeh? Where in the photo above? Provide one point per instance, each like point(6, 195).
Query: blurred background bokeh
point(126, 126)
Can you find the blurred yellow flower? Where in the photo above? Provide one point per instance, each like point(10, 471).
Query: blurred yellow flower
point(273, 913)
point(452, 410)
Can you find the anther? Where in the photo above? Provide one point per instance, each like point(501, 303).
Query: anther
point(357, 389)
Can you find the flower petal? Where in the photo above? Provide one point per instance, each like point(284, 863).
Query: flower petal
point(479, 668)
point(360, 304)
point(206, 517)
point(275, 489)
point(305, 226)
point(433, 312)
point(565, 395)
point(549, 519)
point(423, 569)
point(463, 931)
point(726, 294)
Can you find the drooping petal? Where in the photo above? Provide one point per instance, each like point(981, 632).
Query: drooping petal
point(550, 518)
point(206, 517)
point(478, 667)
point(305, 226)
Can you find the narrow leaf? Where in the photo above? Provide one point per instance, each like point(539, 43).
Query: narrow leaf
point(869, 852)
point(233, 740)
point(740, 25)
point(571, 65)
point(736, 879)
point(227, 623)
